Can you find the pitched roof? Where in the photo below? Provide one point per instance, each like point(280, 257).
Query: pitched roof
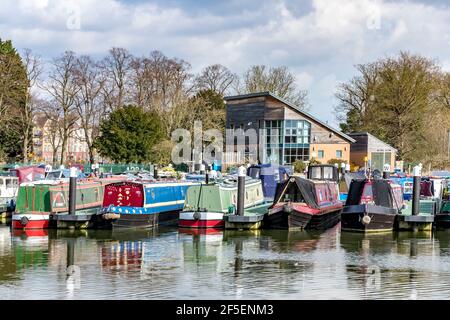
point(291, 105)
point(371, 135)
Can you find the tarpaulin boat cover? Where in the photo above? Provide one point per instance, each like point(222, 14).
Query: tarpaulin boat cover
point(426, 188)
point(381, 192)
point(349, 176)
point(305, 188)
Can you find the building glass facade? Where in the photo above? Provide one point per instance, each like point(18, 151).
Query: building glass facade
point(286, 141)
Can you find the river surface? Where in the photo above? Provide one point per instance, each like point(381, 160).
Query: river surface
point(171, 263)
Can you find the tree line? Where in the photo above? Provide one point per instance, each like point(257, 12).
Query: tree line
point(405, 101)
point(127, 105)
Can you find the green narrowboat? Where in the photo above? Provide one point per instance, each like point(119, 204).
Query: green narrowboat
point(443, 216)
point(39, 202)
point(208, 206)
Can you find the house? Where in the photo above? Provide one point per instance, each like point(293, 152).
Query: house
point(370, 148)
point(285, 132)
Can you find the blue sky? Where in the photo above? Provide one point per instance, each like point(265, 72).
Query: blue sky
point(320, 40)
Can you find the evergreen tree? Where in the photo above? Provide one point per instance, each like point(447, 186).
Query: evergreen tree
point(129, 135)
point(13, 93)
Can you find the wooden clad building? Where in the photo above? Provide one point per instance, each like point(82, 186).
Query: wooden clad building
point(285, 133)
point(378, 153)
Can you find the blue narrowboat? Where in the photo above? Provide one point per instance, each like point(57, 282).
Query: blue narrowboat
point(130, 204)
point(270, 176)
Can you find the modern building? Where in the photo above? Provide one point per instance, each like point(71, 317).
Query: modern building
point(285, 132)
point(378, 153)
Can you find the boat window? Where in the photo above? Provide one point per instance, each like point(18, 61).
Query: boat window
point(320, 195)
point(15, 182)
point(8, 183)
point(1, 182)
point(292, 194)
point(246, 195)
point(328, 173)
point(315, 173)
point(367, 190)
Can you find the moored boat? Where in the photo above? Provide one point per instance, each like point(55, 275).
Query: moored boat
point(39, 202)
point(9, 186)
point(371, 206)
point(304, 204)
point(206, 205)
point(442, 218)
point(130, 204)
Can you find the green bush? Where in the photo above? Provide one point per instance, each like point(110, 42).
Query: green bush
point(299, 166)
point(338, 161)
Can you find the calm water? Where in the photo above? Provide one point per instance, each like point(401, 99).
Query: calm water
point(176, 264)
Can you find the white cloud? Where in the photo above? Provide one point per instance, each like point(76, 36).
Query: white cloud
point(321, 45)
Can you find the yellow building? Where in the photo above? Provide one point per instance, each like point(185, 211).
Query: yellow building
point(370, 151)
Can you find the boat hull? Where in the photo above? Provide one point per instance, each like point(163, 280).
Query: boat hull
point(285, 218)
point(137, 221)
point(193, 219)
point(381, 218)
point(442, 220)
point(30, 221)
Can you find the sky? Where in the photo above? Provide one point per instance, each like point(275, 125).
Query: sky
point(319, 40)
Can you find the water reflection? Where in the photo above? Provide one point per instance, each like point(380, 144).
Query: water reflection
point(222, 264)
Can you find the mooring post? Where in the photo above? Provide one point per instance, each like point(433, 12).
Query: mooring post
point(207, 174)
point(386, 171)
point(72, 190)
point(241, 190)
point(416, 191)
point(155, 172)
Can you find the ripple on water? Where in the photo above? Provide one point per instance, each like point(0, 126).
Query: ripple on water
point(169, 264)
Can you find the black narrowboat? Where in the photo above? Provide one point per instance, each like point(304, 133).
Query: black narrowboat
point(371, 206)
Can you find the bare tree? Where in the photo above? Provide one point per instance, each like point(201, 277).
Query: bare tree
point(116, 71)
point(215, 77)
point(33, 65)
point(88, 105)
point(62, 88)
point(278, 80)
point(356, 97)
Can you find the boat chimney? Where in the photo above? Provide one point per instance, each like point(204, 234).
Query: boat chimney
point(241, 190)
point(386, 171)
point(343, 165)
point(72, 190)
point(416, 190)
point(207, 174)
point(347, 167)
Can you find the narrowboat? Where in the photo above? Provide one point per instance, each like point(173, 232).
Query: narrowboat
point(130, 204)
point(304, 204)
point(372, 206)
point(9, 187)
point(206, 204)
point(442, 218)
point(38, 202)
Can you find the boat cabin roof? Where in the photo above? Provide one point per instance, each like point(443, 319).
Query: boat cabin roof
point(306, 189)
point(379, 191)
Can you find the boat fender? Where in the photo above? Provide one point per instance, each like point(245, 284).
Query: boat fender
point(24, 221)
point(196, 215)
point(366, 220)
